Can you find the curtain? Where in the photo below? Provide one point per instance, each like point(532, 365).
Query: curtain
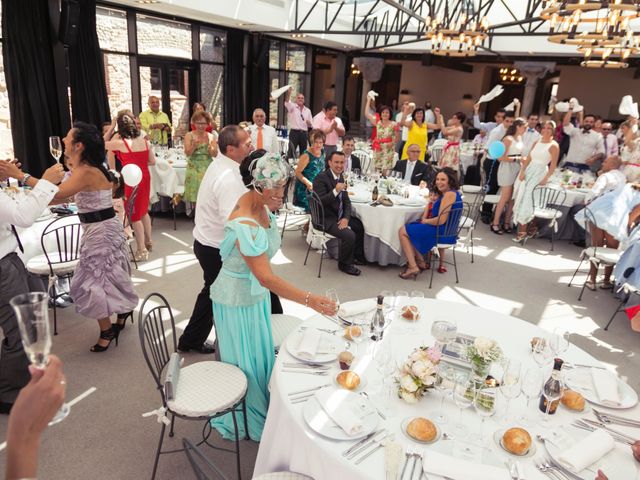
point(258, 76)
point(89, 101)
point(233, 97)
point(31, 85)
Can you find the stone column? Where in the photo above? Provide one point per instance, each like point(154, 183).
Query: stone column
point(371, 68)
point(532, 71)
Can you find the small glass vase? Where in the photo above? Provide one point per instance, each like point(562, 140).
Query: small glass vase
point(480, 370)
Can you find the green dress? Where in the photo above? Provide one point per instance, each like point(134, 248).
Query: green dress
point(310, 172)
point(242, 315)
point(197, 164)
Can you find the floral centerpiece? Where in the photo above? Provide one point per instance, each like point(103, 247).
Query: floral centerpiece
point(418, 374)
point(391, 186)
point(482, 353)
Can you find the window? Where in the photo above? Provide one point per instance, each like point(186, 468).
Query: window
point(112, 29)
point(213, 45)
point(296, 58)
point(118, 80)
point(212, 90)
point(274, 55)
point(6, 141)
point(163, 38)
point(288, 66)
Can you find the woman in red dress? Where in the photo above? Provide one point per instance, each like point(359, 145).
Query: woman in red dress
point(133, 148)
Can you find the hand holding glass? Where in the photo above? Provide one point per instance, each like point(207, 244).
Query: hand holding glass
point(55, 147)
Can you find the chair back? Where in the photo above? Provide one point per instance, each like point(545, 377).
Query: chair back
point(452, 224)
point(317, 210)
point(590, 221)
point(153, 336)
point(544, 197)
point(436, 152)
point(60, 240)
point(365, 160)
point(474, 207)
point(203, 468)
point(129, 206)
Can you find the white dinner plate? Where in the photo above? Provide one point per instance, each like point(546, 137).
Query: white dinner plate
point(579, 379)
point(360, 198)
point(328, 349)
point(618, 463)
point(321, 423)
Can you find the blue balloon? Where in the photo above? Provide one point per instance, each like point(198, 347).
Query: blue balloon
point(496, 149)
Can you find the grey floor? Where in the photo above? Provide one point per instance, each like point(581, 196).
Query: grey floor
point(105, 436)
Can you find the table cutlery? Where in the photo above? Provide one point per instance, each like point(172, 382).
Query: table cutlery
point(417, 456)
point(559, 470)
point(306, 365)
point(513, 470)
point(306, 390)
point(365, 395)
point(371, 442)
point(323, 373)
point(609, 429)
point(591, 428)
point(581, 365)
point(325, 330)
point(610, 418)
point(381, 443)
point(361, 442)
point(549, 472)
point(407, 456)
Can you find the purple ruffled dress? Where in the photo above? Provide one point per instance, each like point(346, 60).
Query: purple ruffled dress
point(101, 284)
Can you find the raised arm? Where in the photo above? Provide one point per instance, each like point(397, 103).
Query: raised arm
point(367, 115)
point(190, 144)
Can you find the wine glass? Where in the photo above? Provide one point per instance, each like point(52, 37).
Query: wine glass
point(55, 147)
point(463, 395)
point(332, 294)
point(32, 313)
point(559, 342)
point(444, 331)
point(388, 300)
point(531, 385)
point(444, 376)
point(541, 352)
point(485, 406)
point(386, 368)
point(510, 386)
point(416, 296)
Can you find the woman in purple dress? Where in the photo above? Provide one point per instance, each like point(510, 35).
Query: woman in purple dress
point(101, 284)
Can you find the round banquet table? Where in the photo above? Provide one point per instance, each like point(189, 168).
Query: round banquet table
point(381, 225)
point(289, 444)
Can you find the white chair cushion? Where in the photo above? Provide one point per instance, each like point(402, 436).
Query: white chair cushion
point(39, 266)
point(206, 388)
point(282, 476)
point(606, 255)
point(466, 222)
point(547, 213)
point(446, 245)
point(471, 188)
point(281, 326)
point(492, 199)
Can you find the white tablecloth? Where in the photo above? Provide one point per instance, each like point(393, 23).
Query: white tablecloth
point(167, 179)
point(289, 444)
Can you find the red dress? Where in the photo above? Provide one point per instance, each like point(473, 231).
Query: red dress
point(208, 129)
point(141, 159)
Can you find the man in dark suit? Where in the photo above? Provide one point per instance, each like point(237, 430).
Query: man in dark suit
point(413, 169)
point(332, 190)
point(351, 162)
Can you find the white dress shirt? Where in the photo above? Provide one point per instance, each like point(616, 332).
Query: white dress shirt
point(496, 135)
point(22, 213)
point(269, 138)
point(298, 118)
point(611, 180)
point(610, 145)
point(529, 138)
point(486, 126)
point(409, 171)
point(219, 192)
point(583, 144)
point(405, 130)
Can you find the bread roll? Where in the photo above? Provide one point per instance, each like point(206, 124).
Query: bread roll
point(421, 429)
point(410, 312)
point(517, 441)
point(572, 400)
point(354, 331)
point(349, 380)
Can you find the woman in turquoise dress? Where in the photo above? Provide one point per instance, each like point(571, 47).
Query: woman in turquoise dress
point(240, 293)
point(310, 164)
point(200, 147)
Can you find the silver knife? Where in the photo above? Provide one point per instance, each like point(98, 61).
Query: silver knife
point(307, 372)
point(311, 389)
point(307, 366)
point(606, 427)
point(371, 452)
point(361, 442)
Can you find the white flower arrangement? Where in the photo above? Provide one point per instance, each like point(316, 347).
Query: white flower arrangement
point(418, 374)
point(484, 351)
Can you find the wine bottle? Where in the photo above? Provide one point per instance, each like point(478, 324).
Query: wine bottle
point(377, 322)
point(552, 389)
point(374, 194)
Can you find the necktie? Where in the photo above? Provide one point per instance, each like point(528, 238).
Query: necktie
point(606, 147)
point(15, 233)
point(340, 205)
point(259, 141)
point(530, 130)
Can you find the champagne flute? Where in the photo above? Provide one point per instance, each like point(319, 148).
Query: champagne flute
point(485, 406)
point(443, 381)
point(416, 299)
point(531, 385)
point(32, 313)
point(463, 395)
point(510, 386)
point(559, 342)
point(541, 352)
point(332, 295)
point(55, 147)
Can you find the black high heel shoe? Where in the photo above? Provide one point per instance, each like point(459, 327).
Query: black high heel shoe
point(122, 317)
point(110, 335)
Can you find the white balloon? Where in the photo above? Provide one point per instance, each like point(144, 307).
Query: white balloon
point(132, 174)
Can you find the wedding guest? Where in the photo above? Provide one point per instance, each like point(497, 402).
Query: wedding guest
point(101, 283)
point(630, 153)
point(21, 212)
point(413, 171)
point(199, 147)
point(338, 219)
point(385, 137)
point(419, 238)
point(490, 165)
point(535, 171)
point(480, 139)
point(418, 129)
point(239, 295)
point(404, 131)
point(453, 133)
point(133, 148)
point(310, 164)
point(508, 169)
point(211, 125)
point(263, 136)
point(370, 124)
point(487, 126)
point(610, 140)
point(530, 135)
point(351, 162)
point(300, 121)
point(586, 146)
point(328, 122)
point(156, 123)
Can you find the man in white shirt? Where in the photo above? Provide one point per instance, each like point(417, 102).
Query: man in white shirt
point(14, 372)
point(263, 137)
point(531, 135)
point(487, 126)
point(490, 165)
point(328, 121)
point(586, 145)
point(219, 191)
point(351, 161)
point(610, 140)
point(300, 120)
point(405, 130)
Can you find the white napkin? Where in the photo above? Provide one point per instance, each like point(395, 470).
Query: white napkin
point(372, 94)
point(338, 405)
point(309, 343)
point(458, 469)
point(495, 92)
point(279, 91)
point(392, 459)
point(587, 451)
point(357, 307)
point(605, 384)
point(628, 107)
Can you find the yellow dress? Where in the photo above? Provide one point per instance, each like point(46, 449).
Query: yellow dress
point(417, 135)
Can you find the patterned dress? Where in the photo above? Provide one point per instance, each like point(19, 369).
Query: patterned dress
point(197, 164)
point(535, 172)
point(451, 155)
point(383, 146)
point(313, 168)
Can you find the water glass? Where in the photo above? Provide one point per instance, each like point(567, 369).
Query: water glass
point(559, 342)
point(444, 331)
point(510, 385)
point(444, 378)
point(552, 391)
point(531, 385)
point(332, 294)
point(485, 406)
point(541, 352)
point(463, 395)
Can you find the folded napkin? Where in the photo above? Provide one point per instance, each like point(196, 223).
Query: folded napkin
point(587, 451)
point(357, 307)
point(392, 459)
point(339, 406)
point(309, 344)
point(458, 469)
point(605, 384)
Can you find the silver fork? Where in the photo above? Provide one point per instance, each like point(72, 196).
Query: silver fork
point(540, 465)
point(407, 456)
point(555, 469)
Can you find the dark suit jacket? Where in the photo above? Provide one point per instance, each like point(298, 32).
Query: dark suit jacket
point(355, 163)
point(420, 171)
point(323, 185)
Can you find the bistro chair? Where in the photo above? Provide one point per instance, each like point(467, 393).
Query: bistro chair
point(316, 228)
point(451, 228)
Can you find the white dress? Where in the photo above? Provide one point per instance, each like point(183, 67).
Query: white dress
point(535, 172)
point(508, 171)
point(631, 161)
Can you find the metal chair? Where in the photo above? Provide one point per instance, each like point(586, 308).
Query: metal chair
point(281, 326)
point(437, 150)
point(596, 254)
point(60, 261)
point(469, 223)
point(628, 291)
point(546, 206)
point(289, 209)
point(365, 160)
point(126, 222)
point(316, 227)
point(199, 395)
point(451, 217)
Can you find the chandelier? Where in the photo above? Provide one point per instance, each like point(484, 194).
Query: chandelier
point(458, 31)
point(606, 57)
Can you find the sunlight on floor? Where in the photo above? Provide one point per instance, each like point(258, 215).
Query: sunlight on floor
point(177, 261)
point(540, 260)
point(473, 297)
point(176, 239)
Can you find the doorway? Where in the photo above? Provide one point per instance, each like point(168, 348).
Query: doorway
point(388, 87)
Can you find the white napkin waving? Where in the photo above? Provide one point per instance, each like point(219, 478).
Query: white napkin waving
point(372, 94)
point(357, 307)
point(279, 92)
point(512, 106)
point(564, 106)
point(494, 93)
point(628, 107)
point(587, 451)
point(458, 469)
point(309, 344)
point(605, 385)
point(339, 406)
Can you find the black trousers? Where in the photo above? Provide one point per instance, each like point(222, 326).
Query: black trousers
point(490, 168)
point(14, 365)
point(201, 321)
point(351, 240)
point(300, 139)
